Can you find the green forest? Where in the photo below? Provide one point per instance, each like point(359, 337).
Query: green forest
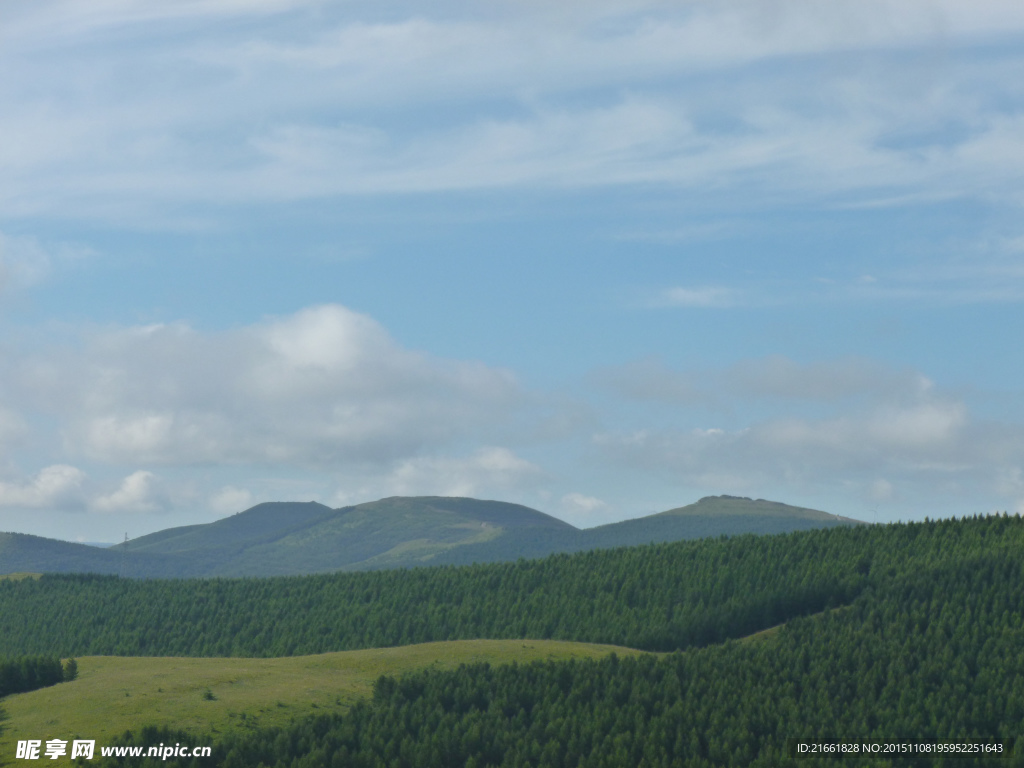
point(896, 634)
point(27, 673)
point(658, 597)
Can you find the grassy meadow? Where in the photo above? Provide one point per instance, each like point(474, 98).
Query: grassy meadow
point(214, 695)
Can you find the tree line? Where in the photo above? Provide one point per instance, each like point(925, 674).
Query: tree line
point(660, 597)
point(28, 673)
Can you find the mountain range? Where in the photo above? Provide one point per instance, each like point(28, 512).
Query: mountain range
point(286, 538)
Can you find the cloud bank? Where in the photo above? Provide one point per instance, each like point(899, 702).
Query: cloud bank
point(325, 391)
point(321, 387)
point(324, 403)
point(848, 427)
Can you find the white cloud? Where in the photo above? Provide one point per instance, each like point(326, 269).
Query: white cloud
point(127, 436)
point(703, 296)
point(932, 446)
point(64, 488)
point(650, 379)
point(850, 426)
point(138, 492)
point(918, 434)
point(314, 389)
point(490, 470)
point(577, 503)
point(880, 490)
point(56, 486)
point(12, 429)
point(23, 261)
point(829, 380)
point(229, 500)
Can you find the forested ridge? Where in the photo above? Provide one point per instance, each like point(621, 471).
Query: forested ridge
point(658, 597)
point(929, 651)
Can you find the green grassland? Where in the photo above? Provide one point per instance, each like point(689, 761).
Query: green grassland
point(113, 694)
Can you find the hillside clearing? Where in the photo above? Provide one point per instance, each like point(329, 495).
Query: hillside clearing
point(113, 694)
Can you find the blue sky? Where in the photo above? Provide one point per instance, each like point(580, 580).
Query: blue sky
point(601, 258)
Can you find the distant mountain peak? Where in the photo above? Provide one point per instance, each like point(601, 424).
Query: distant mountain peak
point(504, 514)
point(726, 505)
point(283, 506)
point(279, 537)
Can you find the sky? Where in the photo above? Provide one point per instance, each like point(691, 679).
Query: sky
point(600, 258)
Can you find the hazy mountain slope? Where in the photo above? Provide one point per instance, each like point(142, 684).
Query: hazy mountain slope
point(282, 538)
point(725, 506)
point(526, 543)
point(22, 552)
point(710, 517)
point(36, 554)
point(260, 523)
point(713, 516)
point(393, 532)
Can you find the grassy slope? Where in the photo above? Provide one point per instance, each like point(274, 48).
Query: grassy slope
point(113, 694)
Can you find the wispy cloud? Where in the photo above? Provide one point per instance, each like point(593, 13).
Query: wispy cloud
point(702, 296)
point(518, 96)
point(955, 274)
point(493, 469)
point(768, 378)
point(23, 261)
point(931, 452)
point(582, 506)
